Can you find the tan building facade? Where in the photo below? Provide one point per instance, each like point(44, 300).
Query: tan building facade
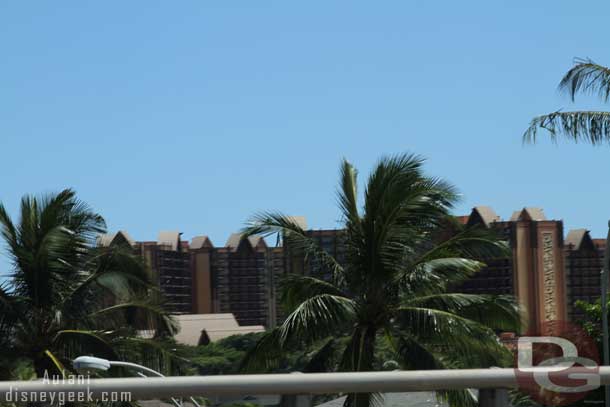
point(545, 273)
point(534, 273)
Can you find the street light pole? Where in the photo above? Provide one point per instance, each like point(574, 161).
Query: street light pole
point(604, 299)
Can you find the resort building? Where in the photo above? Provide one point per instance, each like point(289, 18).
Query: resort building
point(547, 273)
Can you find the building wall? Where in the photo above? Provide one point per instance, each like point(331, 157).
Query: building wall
point(533, 271)
point(171, 270)
point(545, 275)
point(202, 281)
point(330, 240)
point(583, 266)
point(550, 274)
point(497, 278)
point(241, 284)
point(276, 271)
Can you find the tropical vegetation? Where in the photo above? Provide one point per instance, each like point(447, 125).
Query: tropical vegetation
point(587, 78)
point(65, 296)
point(393, 295)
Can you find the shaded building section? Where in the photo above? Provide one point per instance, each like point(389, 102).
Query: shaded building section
point(241, 282)
point(330, 240)
point(534, 270)
point(239, 278)
point(169, 266)
point(583, 264)
point(497, 278)
point(169, 262)
point(201, 249)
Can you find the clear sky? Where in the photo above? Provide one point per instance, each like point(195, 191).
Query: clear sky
point(192, 115)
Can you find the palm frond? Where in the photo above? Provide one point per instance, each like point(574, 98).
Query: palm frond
point(436, 275)
point(587, 77)
point(348, 193)
point(314, 319)
point(317, 317)
point(499, 312)
point(464, 339)
point(9, 232)
point(398, 194)
point(269, 223)
point(74, 343)
point(586, 126)
point(458, 398)
point(112, 272)
point(297, 288)
point(322, 360)
point(417, 355)
point(412, 354)
point(140, 314)
point(265, 355)
point(56, 363)
point(156, 354)
point(476, 243)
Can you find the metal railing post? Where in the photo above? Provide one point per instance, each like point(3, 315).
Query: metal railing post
point(493, 398)
point(296, 400)
point(301, 400)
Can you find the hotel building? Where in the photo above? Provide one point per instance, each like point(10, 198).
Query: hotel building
point(546, 272)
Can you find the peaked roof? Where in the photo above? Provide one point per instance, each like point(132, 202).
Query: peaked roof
point(200, 242)
point(484, 214)
point(299, 220)
point(108, 239)
point(199, 329)
point(529, 213)
point(169, 238)
point(256, 242)
point(579, 239)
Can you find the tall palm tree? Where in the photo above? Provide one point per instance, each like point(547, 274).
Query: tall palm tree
point(585, 77)
point(66, 296)
point(394, 284)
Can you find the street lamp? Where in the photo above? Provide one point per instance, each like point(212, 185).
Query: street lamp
point(93, 363)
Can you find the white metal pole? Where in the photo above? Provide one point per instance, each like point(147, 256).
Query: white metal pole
point(307, 383)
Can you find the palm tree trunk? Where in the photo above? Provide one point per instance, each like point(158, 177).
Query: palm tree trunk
point(41, 367)
point(361, 356)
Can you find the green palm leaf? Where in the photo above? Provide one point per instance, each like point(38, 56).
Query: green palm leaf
point(141, 314)
point(76, 343)
point(592, 127)
point(399, 262)
point(268, 223)
point(587, 77)
point(295, 289)
point(316, 317)
point(64, 296)
point(498, 312)
point(586, 126)
point(469, 341)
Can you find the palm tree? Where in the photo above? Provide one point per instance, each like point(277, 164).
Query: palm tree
point(585, 77)
point(393, 287)
point(66, 296)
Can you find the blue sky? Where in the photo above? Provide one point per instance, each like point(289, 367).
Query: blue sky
point(192, 115)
